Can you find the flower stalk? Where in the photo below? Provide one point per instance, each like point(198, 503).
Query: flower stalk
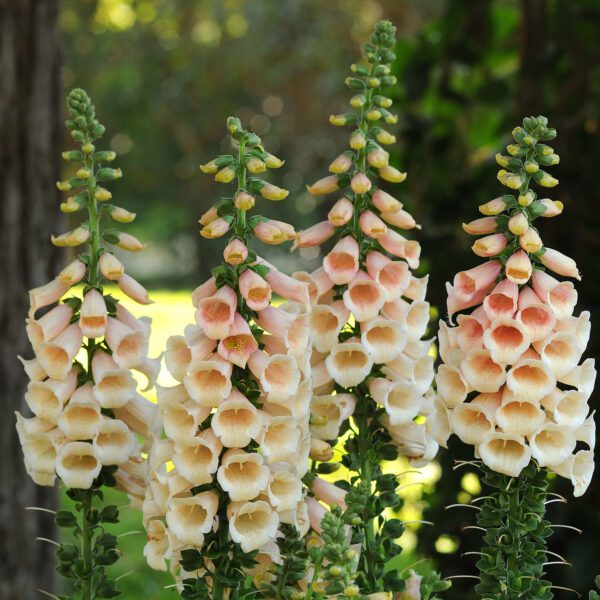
point(511, 382)
point(83, 428)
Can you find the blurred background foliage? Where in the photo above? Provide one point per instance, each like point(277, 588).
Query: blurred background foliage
point(165, 74)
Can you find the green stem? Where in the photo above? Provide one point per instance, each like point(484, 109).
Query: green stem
point(87, 590)
point(317, 568)
point(240, 215)
point(94, 223)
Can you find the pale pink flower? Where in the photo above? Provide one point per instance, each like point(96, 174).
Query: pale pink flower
point(502, 300)
point(560, 296)
point(530, 379)
point(360, 183)
point(316, 512)
point(215, 313)
point(239, 343)
point(341, 264)
point(553, 208)
point(341, 212)
point(536, 317)
point(47, 294)
point(315, 235)
point(208, 381)
point(56, 356)
point(349, 363)
point(518, 267)
point(400, 219)
point(478, 279)
point(215, 229)
point(93, 315)
point(130, 243)
point(481, 372)
point(110, 266)
point(363, 298)
point(290, 288)
point(235, 252)
point(384, 202)
point(255, 290)
point(129, 346)
point(324, 186)
point(507, 340)
point(270, 233)
point(481, 226)
point(73, 273)
point(560, 263)
point(48, 326)
point(236, 421)
point(326, 322)
point(371, 225)
point(505, 453)
point(329, 493)
point(204, 290)
point(394, 277)
point(134, 290)
point(490, 245)
point(114, 386)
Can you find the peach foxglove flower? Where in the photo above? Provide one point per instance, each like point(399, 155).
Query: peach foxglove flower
point(73, 273)
point(518, 268)
point(81, 418)
point(341, 264)
point(110, 266)
point(349, 363)
point(56, 356)
point(46, 294)
point(255, 290)
point(208, 382)
point(77, 464)
point(114, 442)
point(490, 245)
point(481, 226)
point(216, 313)
point(339, 215)
point(190, 519)
point(235, 252)
point(384, 339)
point(505, 453)
point(384, 202)
point(243, 475)
point(272, 192)
point(73, 238)
point(47, 398)
point(560, 296)
point(324, 186)
point(129, 347)
point(360, 183)
point(371, 225)
point(130, 243)
point(134, 290)
point(280, 439)
point(238, 344)
point(315, 235)
point(253, 524)
point(236, 421)
point(579, 468)
point(559, 263)
point(93, 315)
point(49, 326)
point(197, 459)
point(400, 219)
point(341, 164)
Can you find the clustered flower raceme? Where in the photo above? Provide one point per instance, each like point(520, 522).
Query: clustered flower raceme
point(369, 312)
point(236, 423)
point(511, 382)
point(87, 415)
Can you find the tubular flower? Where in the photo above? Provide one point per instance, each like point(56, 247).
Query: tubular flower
point(512, 381)
point(236, 425)
point(366, 325)
point(76, 433)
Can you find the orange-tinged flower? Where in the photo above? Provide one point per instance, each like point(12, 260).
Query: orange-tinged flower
point(239, 343)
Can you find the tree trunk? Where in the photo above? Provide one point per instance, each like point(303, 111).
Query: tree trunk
point(30, 134)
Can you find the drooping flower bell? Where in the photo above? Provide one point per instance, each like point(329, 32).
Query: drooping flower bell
point(237, 423)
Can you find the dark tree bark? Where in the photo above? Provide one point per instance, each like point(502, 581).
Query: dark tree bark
point(30, 134)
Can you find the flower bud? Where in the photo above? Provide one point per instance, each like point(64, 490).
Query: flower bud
point(235, 252)
point(209, 216)
point(88, 148)
point(73, 273)
point(338, 120)
point(518, 224)
point(512, 180)
point(272, 192)
point(83, 173)
point(392, 174)
point(120, 215)
point(225, 175)
point(341, 212)
point(481, 226)
point(130, 243)
point(341, 164)
point(102, 195)
point(384, 202)
point(559, 263)
point(210, 167)
point(243, 200)
point(110, 266)
point(530, 241)
point(273, 162)
point(552, 207)
point(545, 179)
point(526, 199)
point(357, 140)
point(378, 158)
point(360, 183)
point(493, 207)
point(324, 186)
point(518, 268)
point(269, 233)
point(383, 137)
point(490, 245)
point(72, 238)
point(255, 165)
point(70, 205)
point(215, 229)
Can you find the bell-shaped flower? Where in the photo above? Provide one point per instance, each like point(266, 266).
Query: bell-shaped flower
point(560, 296)
point(530, 379)
point(417, 371)
point(293, 329)
point(363, 298)
point(561, 352)
point(181, 421)
point(238, 344)
point(471, 423)
point(506, 340)
point(255, 290)
point(568, 408)
point(46, 294)
point(47, 327)
point(583, 377)
point(133, 289)
point(56, 356)
point(208, 382)
point(579, 468)
point(81, 418)
point(243, 475)
point(580, 327)
point(216, 313)
point(478, 279)
point(253, 525)
point(490, 245)
point(140, 415)
point(278, 374)
point(559, 263)
point(414, 442)
point(284, 490)
point(280, 439)
point(73, 273)
point(236, 252)
point(481, 372)
point(326, 322)
point(537, 318)
point(177, 356)
point(341, 264)
point(399, 246)
point(383, 339)
point(111, 267)
point(417, 288)
point(400, 399)
point(156, 549)
point(400, 219)
point(285, 286)
point(469, 332)
point(197, 459)
point(341, 212)
point(114, 442)
point(384, 202)
point(552, 444)
point(451, 386)
point(77, 464)
point(328, 412)
point(114, 386)
point(316, 512)
point(502, 301)
point(129, 346)
point(190, 518)
point(47, 398)
point(505, 453)
point(394, 277)
point(349, 363)
point(314, 236)
point(204, 290)
point(371, 225)
point(328, 492)
point(519, 416)
point(236, 421)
